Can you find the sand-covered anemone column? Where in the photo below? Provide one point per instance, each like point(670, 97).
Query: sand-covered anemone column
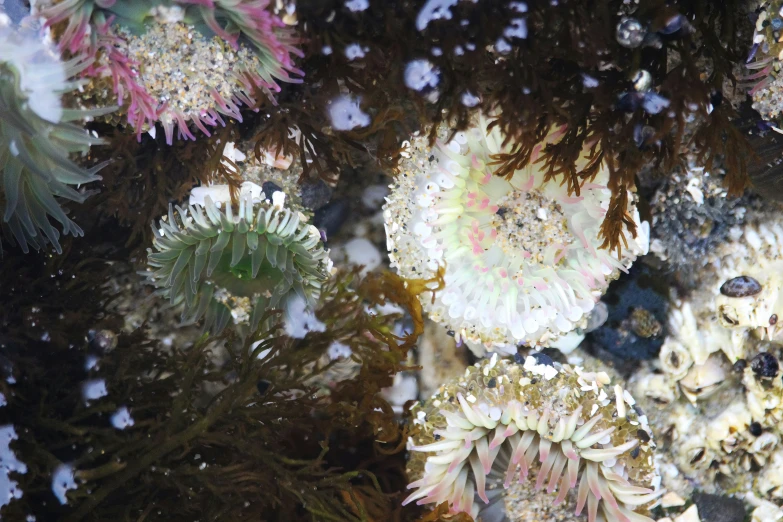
point(184, 63)
point(502, 422)
point(37, 140)
point(522, 256)
point(231, 264)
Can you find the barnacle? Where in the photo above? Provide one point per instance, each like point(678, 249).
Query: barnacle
point(522, 256)
point(36, 140)
point(226, 265)
point(178, 61)
point(490, 427)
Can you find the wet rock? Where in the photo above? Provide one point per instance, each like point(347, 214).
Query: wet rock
point(630, 33)
point(315, 194)
point(718, 508)
point(742, 286)
point(331, 217)
point(635, 327)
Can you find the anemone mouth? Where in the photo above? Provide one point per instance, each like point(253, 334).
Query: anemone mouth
point(223, 266)
point(480, 445)
point(522, 256)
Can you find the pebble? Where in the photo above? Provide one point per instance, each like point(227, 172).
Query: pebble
point(315, 194)
point(765, 365)
point(630, 33)
point(331, 217)
point(269, 189)
point(719, 508)
point(689, 515)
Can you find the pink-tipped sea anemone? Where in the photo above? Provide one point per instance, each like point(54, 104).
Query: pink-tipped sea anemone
point(522, 256)
point(501, 422)
point(183, 63)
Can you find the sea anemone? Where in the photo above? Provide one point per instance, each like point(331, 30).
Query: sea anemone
point(179, 61)
point(764, 62)
point(488, 428)
point(36, 140)
point(522, 257)
point(225, 265)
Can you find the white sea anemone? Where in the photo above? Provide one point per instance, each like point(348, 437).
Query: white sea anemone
point(522, 258)
point(502, 421)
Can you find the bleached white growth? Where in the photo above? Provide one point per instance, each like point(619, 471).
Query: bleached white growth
point(94, 389)
point(421, 74)
point(9, 489)
point(434, 10)
point(90, 362)
point(63, 481)
point(338, 350)
point(360, 251)
point(469, 99)
point(517, 29)
point(299, 320)
point(355, 51)
point(357, 5)
point(121, 418)
point(346, 114)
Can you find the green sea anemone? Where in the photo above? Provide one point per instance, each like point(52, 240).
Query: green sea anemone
point(36, 140)
point(226, 266)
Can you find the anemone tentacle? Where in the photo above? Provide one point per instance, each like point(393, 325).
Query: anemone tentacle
point(501, 421)
point(36, 141)
point(223, 265)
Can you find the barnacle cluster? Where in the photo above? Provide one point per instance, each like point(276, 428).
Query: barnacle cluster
point(692, 217)
point(37, 139)
point(487, 429)
point(522, 256)
point(722, 356)
point(226, 266)
point(178, 62)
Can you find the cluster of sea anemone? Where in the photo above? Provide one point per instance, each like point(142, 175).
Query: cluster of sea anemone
point(37, 139)
point(522, 257)
point(490, 428)
point(177, 62)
